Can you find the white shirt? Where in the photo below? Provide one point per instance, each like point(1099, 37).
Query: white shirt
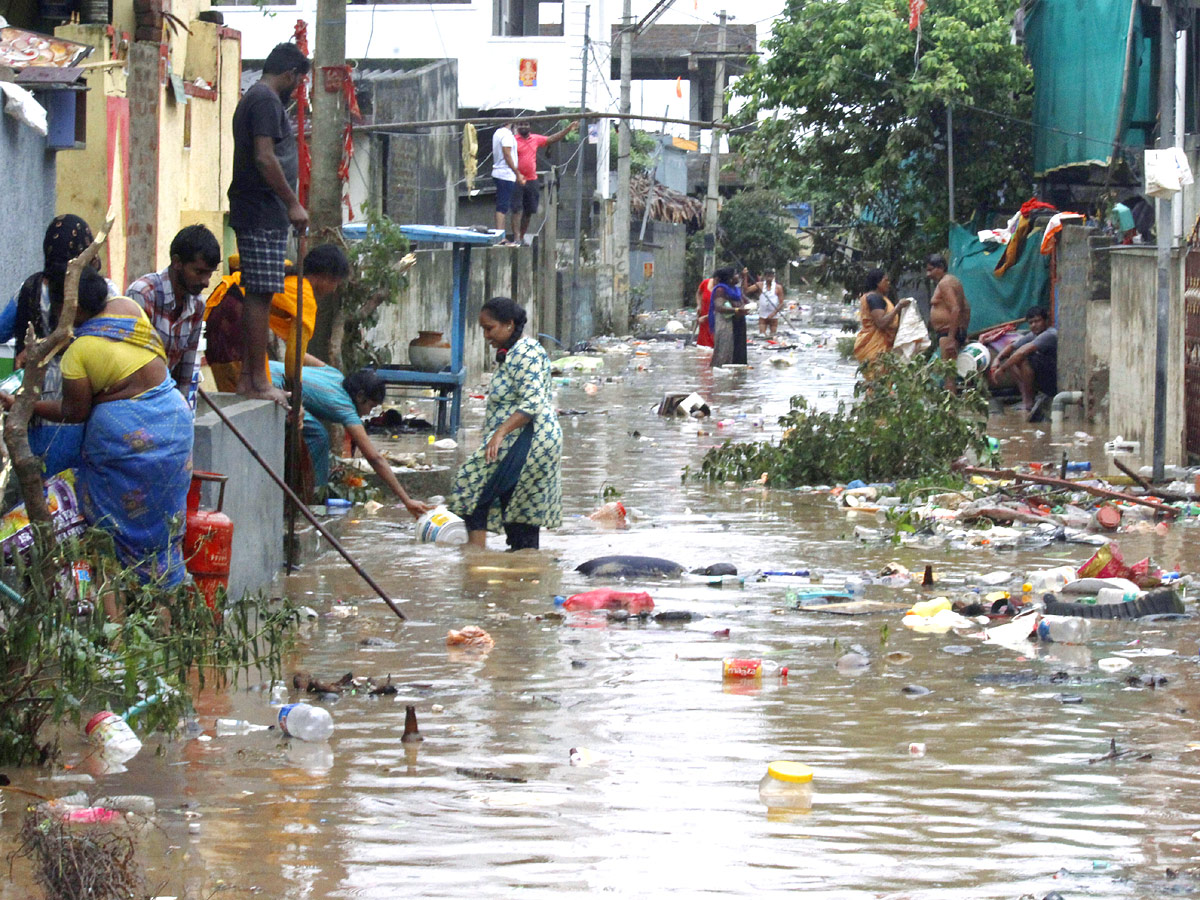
point(768, 300)
point(500, 167)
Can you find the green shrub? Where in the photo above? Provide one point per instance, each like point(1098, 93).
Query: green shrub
point(903, 424)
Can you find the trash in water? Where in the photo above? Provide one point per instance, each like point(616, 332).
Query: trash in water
point(1114, 664)
point(633, 602)
point(916, 749)
point(446, 444)
point(471, 637)
point(629, 567)
point(610, 515)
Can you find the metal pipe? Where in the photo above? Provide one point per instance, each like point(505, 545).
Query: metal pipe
point(304, 510)
point(1163, 226)
point(1061, 399)
point(950, 156)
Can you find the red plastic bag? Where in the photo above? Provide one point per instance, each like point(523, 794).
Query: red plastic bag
point(607, 598)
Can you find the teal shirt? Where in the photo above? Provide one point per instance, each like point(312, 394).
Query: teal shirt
point(324, 396)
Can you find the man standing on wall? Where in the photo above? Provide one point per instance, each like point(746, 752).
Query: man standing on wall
point(507, 177)
point(263, 203)
point(530, 192)
point(173, 302)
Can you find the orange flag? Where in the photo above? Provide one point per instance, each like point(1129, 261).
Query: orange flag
point(679, 87)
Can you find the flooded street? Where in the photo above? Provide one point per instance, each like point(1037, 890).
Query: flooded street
point(1003, 804)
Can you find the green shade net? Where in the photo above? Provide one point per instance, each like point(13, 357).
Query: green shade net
point(1078, 55)
point(994, 300)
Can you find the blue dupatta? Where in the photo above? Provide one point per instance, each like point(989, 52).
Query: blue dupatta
point(735, 294)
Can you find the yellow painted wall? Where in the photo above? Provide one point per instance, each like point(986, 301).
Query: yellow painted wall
point(195, 144)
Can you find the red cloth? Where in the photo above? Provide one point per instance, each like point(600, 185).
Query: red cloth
point(527, 148)
point(705, 337)
point(1034, 203)
point(915, 8)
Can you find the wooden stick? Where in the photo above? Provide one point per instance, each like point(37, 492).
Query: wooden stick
point(303, 507)
point(1069, 485)
point(296, 417)
point(1150, 489)
point(540, 117)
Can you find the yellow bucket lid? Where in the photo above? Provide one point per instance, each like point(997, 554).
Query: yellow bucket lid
point(785, 770)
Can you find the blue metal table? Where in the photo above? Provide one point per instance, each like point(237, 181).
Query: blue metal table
point(449, 385)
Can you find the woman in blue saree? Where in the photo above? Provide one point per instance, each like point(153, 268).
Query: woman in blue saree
point(137, 445)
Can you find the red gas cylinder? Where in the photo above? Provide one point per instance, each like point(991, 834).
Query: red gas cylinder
point(208, 541)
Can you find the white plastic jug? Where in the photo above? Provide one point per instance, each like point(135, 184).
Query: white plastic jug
point(441, 526)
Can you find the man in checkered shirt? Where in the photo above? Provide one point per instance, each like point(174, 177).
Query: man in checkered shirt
point(173, 302)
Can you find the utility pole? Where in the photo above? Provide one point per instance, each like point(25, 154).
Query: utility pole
point(1164, 226)
point(328, 121)
point(621, 217)
point(583, 137)
point(714, 154)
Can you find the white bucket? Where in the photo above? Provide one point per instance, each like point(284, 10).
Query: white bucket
point(973, 358)
point(441, 526)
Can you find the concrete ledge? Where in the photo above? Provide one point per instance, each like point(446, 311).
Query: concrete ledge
point(252, 500)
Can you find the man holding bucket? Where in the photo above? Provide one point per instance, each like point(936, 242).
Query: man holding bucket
point(949, 312)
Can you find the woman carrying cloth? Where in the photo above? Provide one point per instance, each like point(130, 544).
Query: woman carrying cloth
point(878, 317)
point(137, 447)
point(727, 319)
point(515, 479)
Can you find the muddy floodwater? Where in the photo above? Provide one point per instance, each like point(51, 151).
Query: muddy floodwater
point(1003, 803)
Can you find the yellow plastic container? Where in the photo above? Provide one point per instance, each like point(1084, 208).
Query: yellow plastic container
point(787, 785)
point(929, 608)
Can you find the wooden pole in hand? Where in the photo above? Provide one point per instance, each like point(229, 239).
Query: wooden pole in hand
point(296, 419)
point(304, 510)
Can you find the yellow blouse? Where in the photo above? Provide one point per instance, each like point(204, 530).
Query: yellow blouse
point(102, 361)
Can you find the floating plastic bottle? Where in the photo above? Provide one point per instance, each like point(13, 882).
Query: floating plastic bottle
point(307, 722)
point(750, 669)
point(226, 727)
point(114, 735)
point(787, 785)
point(1064, 629)
point(606, 598)
point(279, 693)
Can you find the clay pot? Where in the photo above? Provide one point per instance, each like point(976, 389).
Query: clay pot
point(429, 352)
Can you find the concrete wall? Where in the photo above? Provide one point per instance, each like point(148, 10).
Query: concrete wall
point(1131, 383)
point(252, 500)
point(27, 179)
point(666, 247)
point(1084, 331)
point(416, 173)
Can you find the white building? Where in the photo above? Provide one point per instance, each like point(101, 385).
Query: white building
point(524, 54)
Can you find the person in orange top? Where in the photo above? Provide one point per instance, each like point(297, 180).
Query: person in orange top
point(325, 268)
point(878, 316)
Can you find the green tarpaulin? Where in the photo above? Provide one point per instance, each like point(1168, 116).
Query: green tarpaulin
point(994, 300)
point(1078, 51)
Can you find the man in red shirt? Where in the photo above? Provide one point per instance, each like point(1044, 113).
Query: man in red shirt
point(530, 192)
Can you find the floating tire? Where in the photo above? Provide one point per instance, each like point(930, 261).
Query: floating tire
point(1155, 603)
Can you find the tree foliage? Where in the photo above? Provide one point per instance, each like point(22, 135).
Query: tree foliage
point(851, 112)
point(753, 234)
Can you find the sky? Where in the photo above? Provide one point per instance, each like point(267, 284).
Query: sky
point(653, 98)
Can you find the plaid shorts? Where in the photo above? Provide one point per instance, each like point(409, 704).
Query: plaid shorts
point(262, 252)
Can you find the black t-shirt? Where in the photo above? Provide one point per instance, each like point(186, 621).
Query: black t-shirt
point(252, 203)
point(875, 300)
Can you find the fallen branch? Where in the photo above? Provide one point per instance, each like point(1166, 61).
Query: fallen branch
point(38, 353)
point(1172, 496)
point(1009, 474)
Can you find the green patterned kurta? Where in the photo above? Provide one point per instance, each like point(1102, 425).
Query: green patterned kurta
point(520, 384)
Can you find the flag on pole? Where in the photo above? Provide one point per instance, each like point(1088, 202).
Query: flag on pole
point(679, 87)
point(915, 8)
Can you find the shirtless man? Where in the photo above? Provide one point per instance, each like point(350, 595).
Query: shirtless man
point(770, 302)
point(949, 311)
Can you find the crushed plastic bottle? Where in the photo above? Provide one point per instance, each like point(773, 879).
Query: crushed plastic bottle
point(114, 735)
point(1064, 629)
point(307, 722)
